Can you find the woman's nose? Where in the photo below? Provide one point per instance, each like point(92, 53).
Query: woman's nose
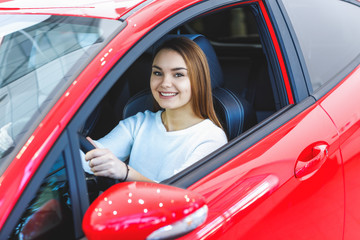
point(166, 81)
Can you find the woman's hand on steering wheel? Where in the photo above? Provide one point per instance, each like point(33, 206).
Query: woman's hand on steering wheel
point(104, 163)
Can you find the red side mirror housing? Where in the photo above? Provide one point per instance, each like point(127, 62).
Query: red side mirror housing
point(140, 210)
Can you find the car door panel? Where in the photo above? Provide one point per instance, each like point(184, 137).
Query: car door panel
point(343, 106)
point(258, 188)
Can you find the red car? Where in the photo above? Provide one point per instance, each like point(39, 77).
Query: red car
point(286, 82)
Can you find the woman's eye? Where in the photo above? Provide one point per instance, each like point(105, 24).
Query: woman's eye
point(179, 75)
point(157, 73)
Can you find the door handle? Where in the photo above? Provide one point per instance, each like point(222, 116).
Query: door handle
point(311, 160)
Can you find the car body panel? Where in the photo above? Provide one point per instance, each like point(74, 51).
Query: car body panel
point(103, 9)
point(348, 124)
point(293, 201)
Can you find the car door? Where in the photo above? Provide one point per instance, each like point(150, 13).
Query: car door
point(289, 185)
point(285, 178)
point(346, 116)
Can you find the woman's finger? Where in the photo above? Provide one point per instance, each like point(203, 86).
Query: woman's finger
point(96, 153)
point(90, 155)
point(101, 167)
point(101, 157)
point(112, 169)
point(91, 141)
point(101, 173)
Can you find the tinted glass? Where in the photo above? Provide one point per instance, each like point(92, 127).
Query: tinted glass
point(328, 34)
point(236, 25)
point(49, 214)
point(39, 53)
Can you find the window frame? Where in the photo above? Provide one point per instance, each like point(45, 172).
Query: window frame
point(298, 76)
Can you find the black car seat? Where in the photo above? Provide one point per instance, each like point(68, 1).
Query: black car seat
point(234, 112)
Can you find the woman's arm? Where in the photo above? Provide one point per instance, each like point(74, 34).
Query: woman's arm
point(105, 164)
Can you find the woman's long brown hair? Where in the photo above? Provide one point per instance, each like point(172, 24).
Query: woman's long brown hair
point(199, 74)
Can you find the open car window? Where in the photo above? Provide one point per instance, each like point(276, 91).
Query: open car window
point(241, 56)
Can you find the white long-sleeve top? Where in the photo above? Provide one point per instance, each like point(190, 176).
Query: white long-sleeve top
point(156, 153)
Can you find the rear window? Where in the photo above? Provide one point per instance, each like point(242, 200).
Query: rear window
point(328, 34)
point(38, 55)
point(235, 25)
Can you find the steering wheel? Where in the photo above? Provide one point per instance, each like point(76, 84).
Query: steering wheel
point(85, 145)
point(94, 183)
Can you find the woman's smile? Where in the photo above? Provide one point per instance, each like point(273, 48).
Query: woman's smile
point(168, 94)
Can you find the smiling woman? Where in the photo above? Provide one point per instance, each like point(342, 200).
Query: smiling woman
point(182, 130)
point(191, 68)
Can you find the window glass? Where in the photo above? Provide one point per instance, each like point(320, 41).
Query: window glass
point(328, 35)
point(49, 214)
point(39, 54)
point(236, 25)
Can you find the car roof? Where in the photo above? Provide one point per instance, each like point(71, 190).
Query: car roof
point(110, 9)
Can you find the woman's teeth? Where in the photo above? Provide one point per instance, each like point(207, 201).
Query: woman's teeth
point(167, 94)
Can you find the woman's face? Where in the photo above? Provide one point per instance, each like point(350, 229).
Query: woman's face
point(170, 83)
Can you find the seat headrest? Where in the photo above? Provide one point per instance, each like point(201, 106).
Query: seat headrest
point(214, 65)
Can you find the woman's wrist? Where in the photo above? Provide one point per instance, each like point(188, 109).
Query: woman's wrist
point(126, 173)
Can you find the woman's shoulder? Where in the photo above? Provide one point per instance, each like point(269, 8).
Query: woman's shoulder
point(207, 123)
point(144, 116)
point(211, 130)
point(142, 120)
point(151, 114)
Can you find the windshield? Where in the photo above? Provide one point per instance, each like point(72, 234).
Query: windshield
point(38, 55)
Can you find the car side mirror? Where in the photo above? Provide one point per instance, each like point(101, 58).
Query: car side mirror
point(141, 210)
